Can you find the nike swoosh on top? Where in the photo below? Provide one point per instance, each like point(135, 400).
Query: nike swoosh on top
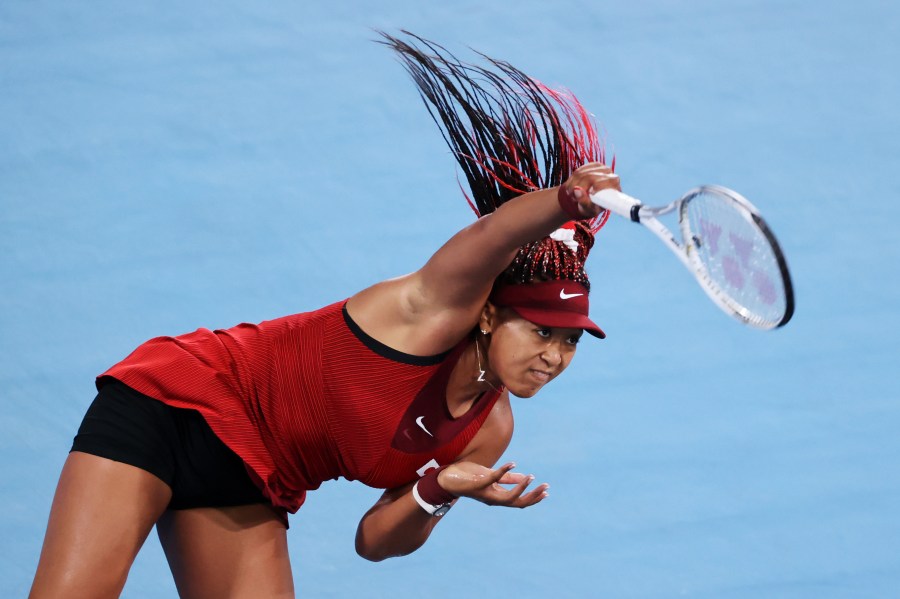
point(565, 296)
point(422, 425)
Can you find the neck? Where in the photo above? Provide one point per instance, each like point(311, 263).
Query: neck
point(464, 388)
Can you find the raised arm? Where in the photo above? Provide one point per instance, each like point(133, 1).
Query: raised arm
point(429, 310)
point(509, 134)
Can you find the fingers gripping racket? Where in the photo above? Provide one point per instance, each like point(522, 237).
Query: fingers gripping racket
point(728, 247)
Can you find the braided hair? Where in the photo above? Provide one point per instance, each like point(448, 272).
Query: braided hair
point(510, 135)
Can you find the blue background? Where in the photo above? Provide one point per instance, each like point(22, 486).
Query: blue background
point(171, 165)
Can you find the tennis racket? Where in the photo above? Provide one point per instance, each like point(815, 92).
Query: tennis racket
point(728, 247)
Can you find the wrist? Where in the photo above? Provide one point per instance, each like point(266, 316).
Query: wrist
point(429, 494)
point(568, 202)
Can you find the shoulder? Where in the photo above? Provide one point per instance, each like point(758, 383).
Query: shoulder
point(396, 313)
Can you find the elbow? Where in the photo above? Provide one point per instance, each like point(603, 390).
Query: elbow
point(365, 551)
point(368, 550)
point(371, 556)
point(374, 553)
point(375, 550)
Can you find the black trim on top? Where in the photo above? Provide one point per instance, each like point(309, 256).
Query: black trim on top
point(388, 352)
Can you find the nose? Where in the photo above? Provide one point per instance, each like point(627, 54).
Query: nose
point(551, 355)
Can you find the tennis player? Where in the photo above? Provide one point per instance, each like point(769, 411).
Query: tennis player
point(215, 436)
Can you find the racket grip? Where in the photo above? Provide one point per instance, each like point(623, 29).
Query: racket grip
point(616, 201)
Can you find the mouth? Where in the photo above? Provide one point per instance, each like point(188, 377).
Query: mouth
point(541, 376)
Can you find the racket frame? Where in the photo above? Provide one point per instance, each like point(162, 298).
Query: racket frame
point(632, 209)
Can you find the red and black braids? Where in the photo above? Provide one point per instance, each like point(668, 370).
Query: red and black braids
point(548, 259)
point(510, 135)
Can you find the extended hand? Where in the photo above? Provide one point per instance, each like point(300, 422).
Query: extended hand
point(468, 479)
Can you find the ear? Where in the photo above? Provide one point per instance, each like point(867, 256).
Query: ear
point(488, 317)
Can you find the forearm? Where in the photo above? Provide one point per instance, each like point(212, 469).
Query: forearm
point(395, 526)
point(460, 274)
point(462, 271)
point(529, 217)
point(495, 238)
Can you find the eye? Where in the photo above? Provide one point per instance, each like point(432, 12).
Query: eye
point(573, 340)
point(545, 333)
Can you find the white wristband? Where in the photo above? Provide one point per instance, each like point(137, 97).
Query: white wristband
point(434, 510)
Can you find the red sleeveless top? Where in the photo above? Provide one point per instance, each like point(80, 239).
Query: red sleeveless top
point(310, 397)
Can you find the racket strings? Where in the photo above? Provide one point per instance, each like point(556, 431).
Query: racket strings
point(735, 258)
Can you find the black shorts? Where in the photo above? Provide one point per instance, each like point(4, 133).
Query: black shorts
point(176, 445)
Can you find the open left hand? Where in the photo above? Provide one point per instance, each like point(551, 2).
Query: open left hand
point(468, 479)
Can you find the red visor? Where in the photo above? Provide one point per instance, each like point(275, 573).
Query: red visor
point(562, 304)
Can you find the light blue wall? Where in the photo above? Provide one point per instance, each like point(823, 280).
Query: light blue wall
point(170, 165)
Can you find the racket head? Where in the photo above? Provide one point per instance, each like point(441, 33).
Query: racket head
point(736, 257)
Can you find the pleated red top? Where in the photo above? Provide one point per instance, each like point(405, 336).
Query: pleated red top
point(310, 397)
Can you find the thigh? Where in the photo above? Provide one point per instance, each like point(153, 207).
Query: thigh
point(238, 551)
point(102, 512)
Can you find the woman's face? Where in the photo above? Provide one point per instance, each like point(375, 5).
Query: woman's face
point(526, 356)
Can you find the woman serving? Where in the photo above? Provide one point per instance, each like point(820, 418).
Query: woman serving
point(214, 436)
